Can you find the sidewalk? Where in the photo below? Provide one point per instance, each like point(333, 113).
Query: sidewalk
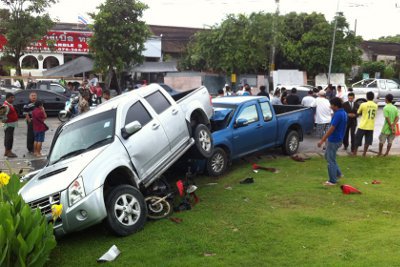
point(26, 162)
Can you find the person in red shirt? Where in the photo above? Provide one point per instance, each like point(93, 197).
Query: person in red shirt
point(10, 122)
point(39, 127)
point(99, 93)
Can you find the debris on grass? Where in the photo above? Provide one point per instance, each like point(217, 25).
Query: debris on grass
point(228, 187)
point(110, 255)
point(209, 254)
point(348, 189)
point(297, 158)
point(386, 212)
point(210, 184)
point(247, 180)
point(376, 182)
point(257, 167)
point(176, 220)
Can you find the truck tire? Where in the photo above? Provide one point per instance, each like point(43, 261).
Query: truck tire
point(291, 143)
point(126, 210)
point(203, 142)
point(217, 163)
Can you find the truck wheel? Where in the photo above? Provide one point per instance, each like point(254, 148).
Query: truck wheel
point(217, 163)
point(203, 141)
point(126, 210)
point(291, 144)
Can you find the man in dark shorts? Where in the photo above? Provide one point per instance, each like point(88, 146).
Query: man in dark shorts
point(28, 108)
point(368, 111)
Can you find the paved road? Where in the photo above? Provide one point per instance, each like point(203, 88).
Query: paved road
point(25, 160)
point(310, 143)
point(28, 162)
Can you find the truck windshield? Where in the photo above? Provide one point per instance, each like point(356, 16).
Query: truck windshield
point(222, 116)
point(83, 135)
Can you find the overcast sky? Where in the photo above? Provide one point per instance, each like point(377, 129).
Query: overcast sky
point(374, 18)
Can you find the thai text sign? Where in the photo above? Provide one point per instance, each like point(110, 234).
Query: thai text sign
point(58, 41)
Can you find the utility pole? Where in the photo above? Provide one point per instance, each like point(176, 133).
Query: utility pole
point(274, 31)
point(333, 43)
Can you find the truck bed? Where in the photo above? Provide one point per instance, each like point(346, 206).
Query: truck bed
point(287, 114)
point(282, 109)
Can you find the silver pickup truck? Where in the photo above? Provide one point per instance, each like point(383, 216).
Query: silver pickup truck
point(100, 163)
point(380, 88)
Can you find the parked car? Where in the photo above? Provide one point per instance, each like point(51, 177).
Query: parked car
point(49, 85)
point(101, 162)
point(380, 87)
point(52, 101)
point(244, 125)
point(5, 90)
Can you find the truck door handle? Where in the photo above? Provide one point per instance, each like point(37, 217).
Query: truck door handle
point(155, 126)
point(174, 111)
point(259, 126)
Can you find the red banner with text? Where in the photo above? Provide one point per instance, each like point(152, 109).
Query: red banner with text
point(58, 41)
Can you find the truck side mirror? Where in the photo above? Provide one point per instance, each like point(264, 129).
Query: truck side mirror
point(130, 129)
point(241, 123)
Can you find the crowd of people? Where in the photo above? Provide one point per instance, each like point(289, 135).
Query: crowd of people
point(35, 115)
point(344, 121)
point(336, 120)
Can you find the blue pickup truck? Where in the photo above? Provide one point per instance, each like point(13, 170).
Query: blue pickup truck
point(245, 124)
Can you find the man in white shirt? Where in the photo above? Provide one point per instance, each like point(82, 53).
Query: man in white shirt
point(323, 114)
point(309, 100)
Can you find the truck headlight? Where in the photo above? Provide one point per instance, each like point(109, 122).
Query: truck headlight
point(76, 191)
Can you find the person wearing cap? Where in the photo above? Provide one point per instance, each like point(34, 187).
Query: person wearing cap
point(323, 114)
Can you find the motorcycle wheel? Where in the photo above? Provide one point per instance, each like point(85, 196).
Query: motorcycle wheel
point(63, 117)
point(157, 208)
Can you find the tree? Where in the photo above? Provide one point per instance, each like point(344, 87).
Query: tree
point(307, 40)
point(372, 67)
point(243, 44)
point(22, 23)
point(388, 39)
point(240, 44)
point(119, 37)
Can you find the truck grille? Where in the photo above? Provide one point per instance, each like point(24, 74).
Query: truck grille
point(44, 204)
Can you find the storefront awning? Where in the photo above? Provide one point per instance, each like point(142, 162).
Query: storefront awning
point(156, 67)
point(71, 68)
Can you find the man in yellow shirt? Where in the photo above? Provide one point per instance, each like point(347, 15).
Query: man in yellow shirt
point(368, 111)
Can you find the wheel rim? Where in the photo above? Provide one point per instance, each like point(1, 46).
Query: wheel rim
point(293, 143)
point(127, 209)
point(205, 140)
point(217, 163)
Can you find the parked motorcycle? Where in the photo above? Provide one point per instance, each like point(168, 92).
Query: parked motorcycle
point(70, 110)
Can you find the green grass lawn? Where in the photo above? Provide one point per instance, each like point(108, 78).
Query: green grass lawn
point(283, 219)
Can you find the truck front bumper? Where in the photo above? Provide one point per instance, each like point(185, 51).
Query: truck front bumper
point(89, 211)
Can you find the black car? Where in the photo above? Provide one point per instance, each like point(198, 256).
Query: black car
point(49, 85)
point(52, 102)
